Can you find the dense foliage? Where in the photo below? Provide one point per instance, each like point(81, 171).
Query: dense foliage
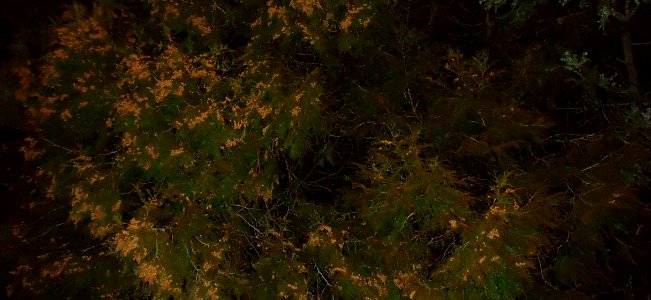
point(331, 148)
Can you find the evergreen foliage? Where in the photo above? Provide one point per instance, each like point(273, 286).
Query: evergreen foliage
point(331, 149)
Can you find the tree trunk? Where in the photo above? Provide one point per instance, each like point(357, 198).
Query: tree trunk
point(627, 46)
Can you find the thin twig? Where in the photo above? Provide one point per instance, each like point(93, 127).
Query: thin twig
point(543, 276)
point(250, 225)
point(59, 146)
point(319, 271)
point(200, 241)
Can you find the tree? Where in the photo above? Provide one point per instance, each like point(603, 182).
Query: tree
point(300, 149)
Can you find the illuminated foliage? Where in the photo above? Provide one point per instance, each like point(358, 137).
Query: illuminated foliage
point(345, 149)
